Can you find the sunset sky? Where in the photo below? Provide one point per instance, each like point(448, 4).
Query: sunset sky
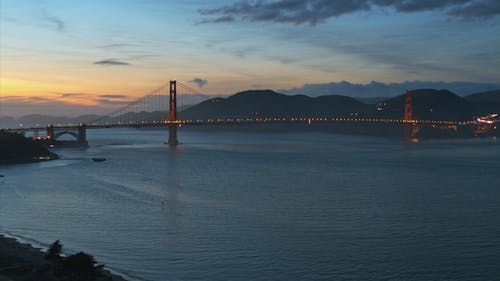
point(92, 53)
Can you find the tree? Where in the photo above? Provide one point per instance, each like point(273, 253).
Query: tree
point(80, 267)
point(54, 252)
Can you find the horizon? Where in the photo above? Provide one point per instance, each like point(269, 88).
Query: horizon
point(78, 58)
point(302, 91)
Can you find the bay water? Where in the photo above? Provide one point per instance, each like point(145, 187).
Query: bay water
point(265, 206)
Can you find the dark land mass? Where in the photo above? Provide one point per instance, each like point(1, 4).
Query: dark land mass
point(433, 104)
point(23, 262)
point(380, 89)
point(269, 104)
point(428, 104)
point(15, 148)
point(485, 103)
point(371, 101)
point(489, 96)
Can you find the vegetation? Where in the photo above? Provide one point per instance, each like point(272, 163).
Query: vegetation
point(15, 148)
point(54, 252)
point(76, 267)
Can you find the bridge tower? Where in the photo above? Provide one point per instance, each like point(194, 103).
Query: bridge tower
point(82, 133)
point(172, 114)
point(410, 127)
point(50, 132)
point(408, 106)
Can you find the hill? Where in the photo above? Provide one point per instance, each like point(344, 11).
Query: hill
point(429, 104)
point(378, 89)
point(16, 148)
point(269, 104)
point(489, 96)
point(485, 103)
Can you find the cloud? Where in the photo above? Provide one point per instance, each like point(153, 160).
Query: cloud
point(72, 95)
point(478, 9)
point(113, 96)
point(67, 104)
point(111, 101)
point(218, 20)
point(105, 100)
point(17, 108)
point(199, 81)
point(60, 25)
point(21, 99)
point(111, 62)
point(316, 11)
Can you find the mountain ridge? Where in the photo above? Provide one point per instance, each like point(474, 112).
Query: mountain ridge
point(375, 88)
point(259, 103)
point(268, 103)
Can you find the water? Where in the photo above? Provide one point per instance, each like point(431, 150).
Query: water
point(263, 206)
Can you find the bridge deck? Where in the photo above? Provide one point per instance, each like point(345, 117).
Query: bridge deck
point(236, 121)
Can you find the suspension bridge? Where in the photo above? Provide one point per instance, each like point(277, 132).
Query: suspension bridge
point(161, 106)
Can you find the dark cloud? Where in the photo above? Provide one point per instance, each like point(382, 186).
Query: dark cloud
point(113, 96)
point(111, 62)
point(478, 9)
point(102, 99)
point(20, 99)
point(72, 95)
point(113, 99)
point(60, 25)
point(111, 102)
point(218, 20)
point(37, 99)
point(199, 81)
point(315, 11)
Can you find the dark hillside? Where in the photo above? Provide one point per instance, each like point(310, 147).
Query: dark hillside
point(485, 103)
point(15, 148)
point(430, 104)
point(489, 96)
point(267, 103)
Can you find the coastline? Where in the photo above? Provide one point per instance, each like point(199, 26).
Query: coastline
point(17, 149)
point(20, 261)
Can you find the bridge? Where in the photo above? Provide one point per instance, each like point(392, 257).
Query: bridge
point(160, 108)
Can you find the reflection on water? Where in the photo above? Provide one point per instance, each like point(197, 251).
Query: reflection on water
point(235, 206)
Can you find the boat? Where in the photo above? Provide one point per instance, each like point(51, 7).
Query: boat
point(98, 159)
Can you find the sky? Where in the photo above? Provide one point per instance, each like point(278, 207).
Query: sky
point(75, 57)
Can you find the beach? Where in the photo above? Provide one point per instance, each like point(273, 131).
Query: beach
point(23, 262)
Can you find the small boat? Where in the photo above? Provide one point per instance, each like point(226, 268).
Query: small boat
point(98, 159)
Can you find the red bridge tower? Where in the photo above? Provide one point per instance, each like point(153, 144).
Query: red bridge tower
point(410, 127)
point(172, 114)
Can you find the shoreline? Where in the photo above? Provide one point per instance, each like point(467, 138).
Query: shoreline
point(17, 149)
point(22, 261)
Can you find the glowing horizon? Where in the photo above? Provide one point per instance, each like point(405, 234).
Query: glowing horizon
point(74, 52)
